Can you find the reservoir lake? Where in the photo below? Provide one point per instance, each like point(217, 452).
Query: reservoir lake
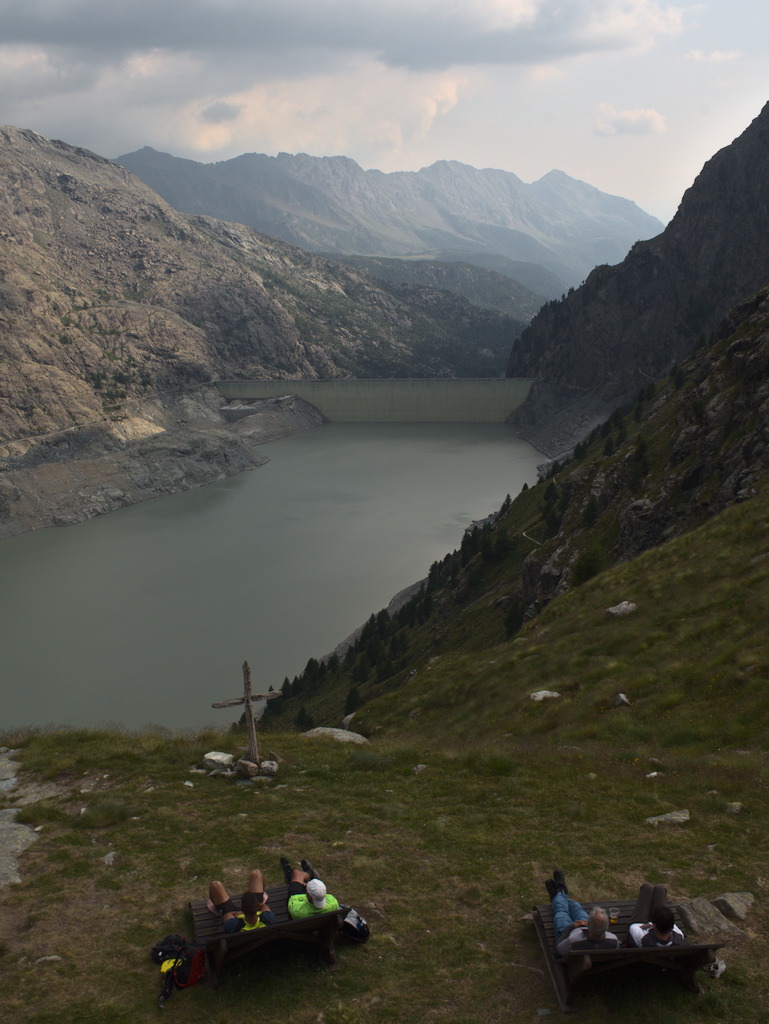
point(144, 617)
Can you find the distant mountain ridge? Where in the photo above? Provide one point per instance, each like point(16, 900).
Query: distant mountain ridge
point(629, 324)
point(330, 204)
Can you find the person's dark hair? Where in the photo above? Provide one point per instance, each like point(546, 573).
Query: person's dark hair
point(249, 904)
point(662, 918)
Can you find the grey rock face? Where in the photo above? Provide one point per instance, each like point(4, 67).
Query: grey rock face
point(631, 322)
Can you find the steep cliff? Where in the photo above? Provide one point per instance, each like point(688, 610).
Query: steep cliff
point(630, 323)
point(690, 448)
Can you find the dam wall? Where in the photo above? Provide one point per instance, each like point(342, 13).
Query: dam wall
point(393, 401)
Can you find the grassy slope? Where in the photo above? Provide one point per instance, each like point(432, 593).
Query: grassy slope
point(444, 864)
point(445, 861)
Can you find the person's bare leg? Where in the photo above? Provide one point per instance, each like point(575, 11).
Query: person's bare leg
point(217, 895)
point(256, 884)
point(300, 876)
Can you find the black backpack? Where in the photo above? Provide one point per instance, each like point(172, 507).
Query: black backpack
point(354, 926)
point(188, 968)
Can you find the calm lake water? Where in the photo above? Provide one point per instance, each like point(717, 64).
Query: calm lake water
point(145, 616)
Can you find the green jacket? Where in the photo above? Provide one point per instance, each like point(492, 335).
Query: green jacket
point(301, 906)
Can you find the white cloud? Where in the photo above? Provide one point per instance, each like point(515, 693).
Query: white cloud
point(714, 57)
point(628, 122)
point(386, 113)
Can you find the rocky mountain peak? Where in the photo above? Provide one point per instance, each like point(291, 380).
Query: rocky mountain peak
point(628, 324)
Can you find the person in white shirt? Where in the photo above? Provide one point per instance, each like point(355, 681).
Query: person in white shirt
point(653, 920)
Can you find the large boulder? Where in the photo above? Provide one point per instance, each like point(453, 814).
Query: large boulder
point(705, 922)
point(342, 735)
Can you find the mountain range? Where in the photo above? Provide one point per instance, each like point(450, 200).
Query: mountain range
point(113, 305)
point(330, 204)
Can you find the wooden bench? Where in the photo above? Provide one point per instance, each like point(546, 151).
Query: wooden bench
point(567, 972)
point(223, 947)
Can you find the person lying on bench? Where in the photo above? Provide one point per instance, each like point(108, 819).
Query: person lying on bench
point(306, 893)
point(653, 922)
point(253, 905)
point(571, 923)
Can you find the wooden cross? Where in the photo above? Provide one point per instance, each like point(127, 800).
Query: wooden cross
point(248, 698)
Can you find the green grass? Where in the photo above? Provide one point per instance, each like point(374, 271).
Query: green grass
point(444, 863)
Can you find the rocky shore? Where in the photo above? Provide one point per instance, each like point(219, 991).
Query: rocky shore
point(159, 446)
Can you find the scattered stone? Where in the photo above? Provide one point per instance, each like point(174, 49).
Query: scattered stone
point(706, 921)
point(617, 611)
point(418, 768)
point(657, 763)
point(343, 735)
point(654, 775)
point(47, 960)
point(671, 818)
point(218, 759)
point(247, 768)
point(621, 700)
point(110, 858)
point(190, 785)
point(734, 905)
point(269, 768)
point(347, 719)
point(15, 839)
point(735, 808)
point(540, 695)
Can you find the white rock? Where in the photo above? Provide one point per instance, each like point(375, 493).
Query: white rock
point(672, 818)
point(218, 759)
point(621, 700)
point(540, 695)
point(623, 608)
point(343, 735)
point(269, 767)
point(109, 858)
point(190, 785)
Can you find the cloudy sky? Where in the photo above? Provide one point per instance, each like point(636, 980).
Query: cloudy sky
point(632, 96)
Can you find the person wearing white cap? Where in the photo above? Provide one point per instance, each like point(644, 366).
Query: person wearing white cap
point(307, 895)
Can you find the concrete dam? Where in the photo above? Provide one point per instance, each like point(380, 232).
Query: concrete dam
point(393, 401)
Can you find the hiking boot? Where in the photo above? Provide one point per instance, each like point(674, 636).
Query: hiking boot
point(551, 887)
point(560, 881)
point(309, 869)
point(287, 869)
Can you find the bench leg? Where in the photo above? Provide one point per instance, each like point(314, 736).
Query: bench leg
point(327, 951)
point(214, 960)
